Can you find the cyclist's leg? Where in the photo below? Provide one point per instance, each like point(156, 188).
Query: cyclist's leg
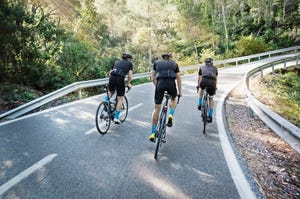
point(120, 97)
point(111, 87)
point(211, 105)
point(158, 97)
point(173, 92)
point(155, 115)
point(202, 86)
point(211, 91)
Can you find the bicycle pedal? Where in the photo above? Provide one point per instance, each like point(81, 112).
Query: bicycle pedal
point(163, 141)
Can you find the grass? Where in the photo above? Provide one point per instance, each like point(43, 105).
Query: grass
point(15, 95)
point(281, 92)
point(140, 81)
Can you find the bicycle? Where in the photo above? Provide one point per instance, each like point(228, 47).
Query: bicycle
point(204, 108)
point(106, 111)
point(162, 124)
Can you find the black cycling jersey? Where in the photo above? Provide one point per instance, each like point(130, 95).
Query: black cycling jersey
point(209, 75)
point(165, 69)
point(116, 81)
point(210, 72)
point(121, 68)
point(165, 74)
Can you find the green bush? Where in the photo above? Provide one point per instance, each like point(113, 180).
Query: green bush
point(16, 94)
point(285, 88)
point(288, 85)
point(250, 45)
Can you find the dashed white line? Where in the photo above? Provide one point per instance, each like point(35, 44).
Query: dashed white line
point(134, 107)
point(25, 173)
point(93, 130)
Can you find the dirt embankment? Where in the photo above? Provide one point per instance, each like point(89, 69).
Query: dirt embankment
point(273, 163)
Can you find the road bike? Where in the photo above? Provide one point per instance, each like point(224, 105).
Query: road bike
point(162, 123)
point(106, 111)
point(204, 108)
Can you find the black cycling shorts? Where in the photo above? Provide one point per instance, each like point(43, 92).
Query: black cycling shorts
point(116, 83)
point(163, 85)
point(210, 84)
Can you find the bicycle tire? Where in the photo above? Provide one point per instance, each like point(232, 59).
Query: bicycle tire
point(124, 110)
point(204, 114)
point(103, 118)
point(162, 125)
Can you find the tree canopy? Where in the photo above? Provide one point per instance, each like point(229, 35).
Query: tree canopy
point(50, 44)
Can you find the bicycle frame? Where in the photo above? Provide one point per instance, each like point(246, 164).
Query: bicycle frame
point(204, 109)
point(112, 104)
point(105, 112)
point(161, 127)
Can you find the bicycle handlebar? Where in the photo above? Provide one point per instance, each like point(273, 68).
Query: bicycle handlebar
point(179, 96)
point(128, 89)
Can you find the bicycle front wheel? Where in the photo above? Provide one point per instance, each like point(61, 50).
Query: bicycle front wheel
point(204, 116)
point(124, 110)
point(102, 118)
point(161, 130)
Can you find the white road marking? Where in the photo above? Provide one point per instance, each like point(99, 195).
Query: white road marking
point(25, 173)
point(135, 107)
point(93, 130)
point(235, 169)
point(90, 131)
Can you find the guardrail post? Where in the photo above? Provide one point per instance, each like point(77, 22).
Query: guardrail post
point(261, 73)
point(79, 94)
point(297, 67)
point(273, 72)
point(248, 60)
point(251, 112)
point(236, 63)
point(284, 64)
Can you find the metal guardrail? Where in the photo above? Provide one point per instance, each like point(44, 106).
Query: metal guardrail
point(235, 61)
point(77, 86)
point(282, 127)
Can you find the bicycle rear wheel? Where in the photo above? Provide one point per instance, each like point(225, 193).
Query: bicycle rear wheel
point(161, 129)
point(124, 110)
point(103, 118)
point(204, 114)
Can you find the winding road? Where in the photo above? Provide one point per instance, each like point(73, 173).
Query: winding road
point(57, 153)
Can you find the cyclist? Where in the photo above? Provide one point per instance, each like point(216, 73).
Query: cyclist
point(118, 72)
point(164, 73)
point(207, 78)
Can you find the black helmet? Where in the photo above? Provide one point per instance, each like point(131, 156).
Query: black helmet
point(166, 54)
point(208, 60)
point(125, 56)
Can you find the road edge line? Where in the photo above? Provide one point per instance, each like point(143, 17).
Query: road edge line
point(237, 174)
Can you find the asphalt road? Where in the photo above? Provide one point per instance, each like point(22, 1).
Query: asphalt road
point(58, 153)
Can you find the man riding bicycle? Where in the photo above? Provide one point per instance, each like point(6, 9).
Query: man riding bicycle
point(164, 73)
point(118, 72)
point(207, 78)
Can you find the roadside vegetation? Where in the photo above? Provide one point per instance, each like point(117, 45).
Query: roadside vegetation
point(46, 45)
point(281, 92)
